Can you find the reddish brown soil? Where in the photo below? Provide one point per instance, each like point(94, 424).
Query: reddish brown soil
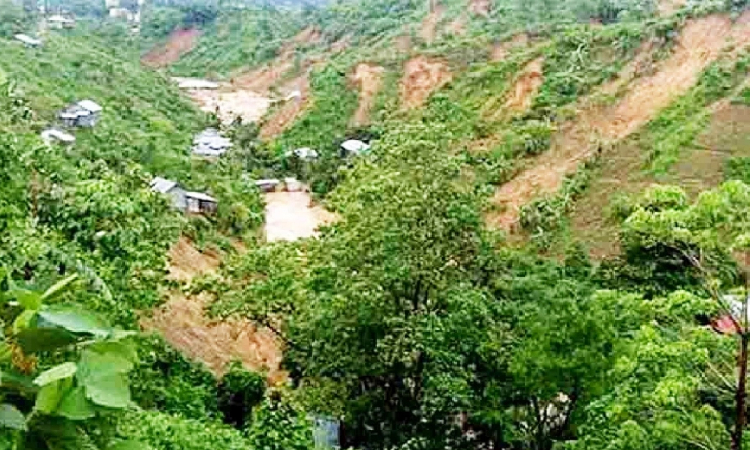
point(179, 42)
point(700, 43)
point(368, 79)
point(422, 77)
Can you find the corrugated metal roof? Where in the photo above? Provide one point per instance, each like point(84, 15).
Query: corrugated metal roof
point(28, 39)
point(89, 105)
point(162, 185)
point(200, 196)
point(355, 146)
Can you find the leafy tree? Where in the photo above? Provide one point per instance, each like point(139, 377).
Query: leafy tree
point(711, 236)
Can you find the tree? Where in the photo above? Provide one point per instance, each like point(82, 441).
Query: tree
point(713, 236)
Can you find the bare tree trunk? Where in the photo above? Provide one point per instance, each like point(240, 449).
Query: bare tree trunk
point(739, 421)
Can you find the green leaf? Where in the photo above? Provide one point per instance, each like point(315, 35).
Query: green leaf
point(94, 364)
point(18, 381)
point(74, 320)
point(74, 405)
point(64, 370)
point(58, 288)
point(23, 320)
point(11, 417)
point(111, 391)
point(28, 299)
point(121, 349)
point(48, 398)
point(33, 340)
point(127, 445)
point(6, 352)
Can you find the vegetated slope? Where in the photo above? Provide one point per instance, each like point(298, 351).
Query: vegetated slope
point(144, 115)
point(700, 42)
point(236, 39)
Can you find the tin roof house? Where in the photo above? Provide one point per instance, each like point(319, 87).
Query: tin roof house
point(172, 189)
point(200, 203)
point(85, 113)
point(59, 22)
point(354, 147)
point(28, 40)
point(210, 143)
point(187, 201)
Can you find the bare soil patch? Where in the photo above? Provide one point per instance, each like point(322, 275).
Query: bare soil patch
point(183, 322)
point(287, 113)
point(669, 7)
point(179, 42)
point(232, 104)
point(500, 50)
point(699, 44)
point(263, 79)
point(403, 43)
point(186, 261)
point(458, 26)
point(527, 86)
point(368, 78)
point(428, 29)
point(480, 7)
point(422, 77)
point(292, 215)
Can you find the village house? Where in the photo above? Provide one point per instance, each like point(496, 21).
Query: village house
point(28, 40)
point(52, 135)
point(58, 22)
point(187, 201)
point(200, 203)
point(85, 113)
point(211, 143)
point(304, 153)
point(268, 185)
point(172, 189)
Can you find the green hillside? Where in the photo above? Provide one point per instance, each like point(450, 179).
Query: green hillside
point(545, 247)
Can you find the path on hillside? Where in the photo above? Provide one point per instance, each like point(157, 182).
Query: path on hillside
point(700, 42)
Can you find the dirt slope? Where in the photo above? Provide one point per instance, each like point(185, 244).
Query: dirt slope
point(232, 103)
point(428, 29)
point(368, 78)
point(284, 117)
point(700, 42)
point(480, 7)
point(458, 26)
point(526, 87)
point(422, 76)
point(500, 50)
point(669, 7)
point(179, 42)
point(186, 261)
point(183, 323)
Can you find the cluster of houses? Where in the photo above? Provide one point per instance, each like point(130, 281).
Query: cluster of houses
point(84, 114)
